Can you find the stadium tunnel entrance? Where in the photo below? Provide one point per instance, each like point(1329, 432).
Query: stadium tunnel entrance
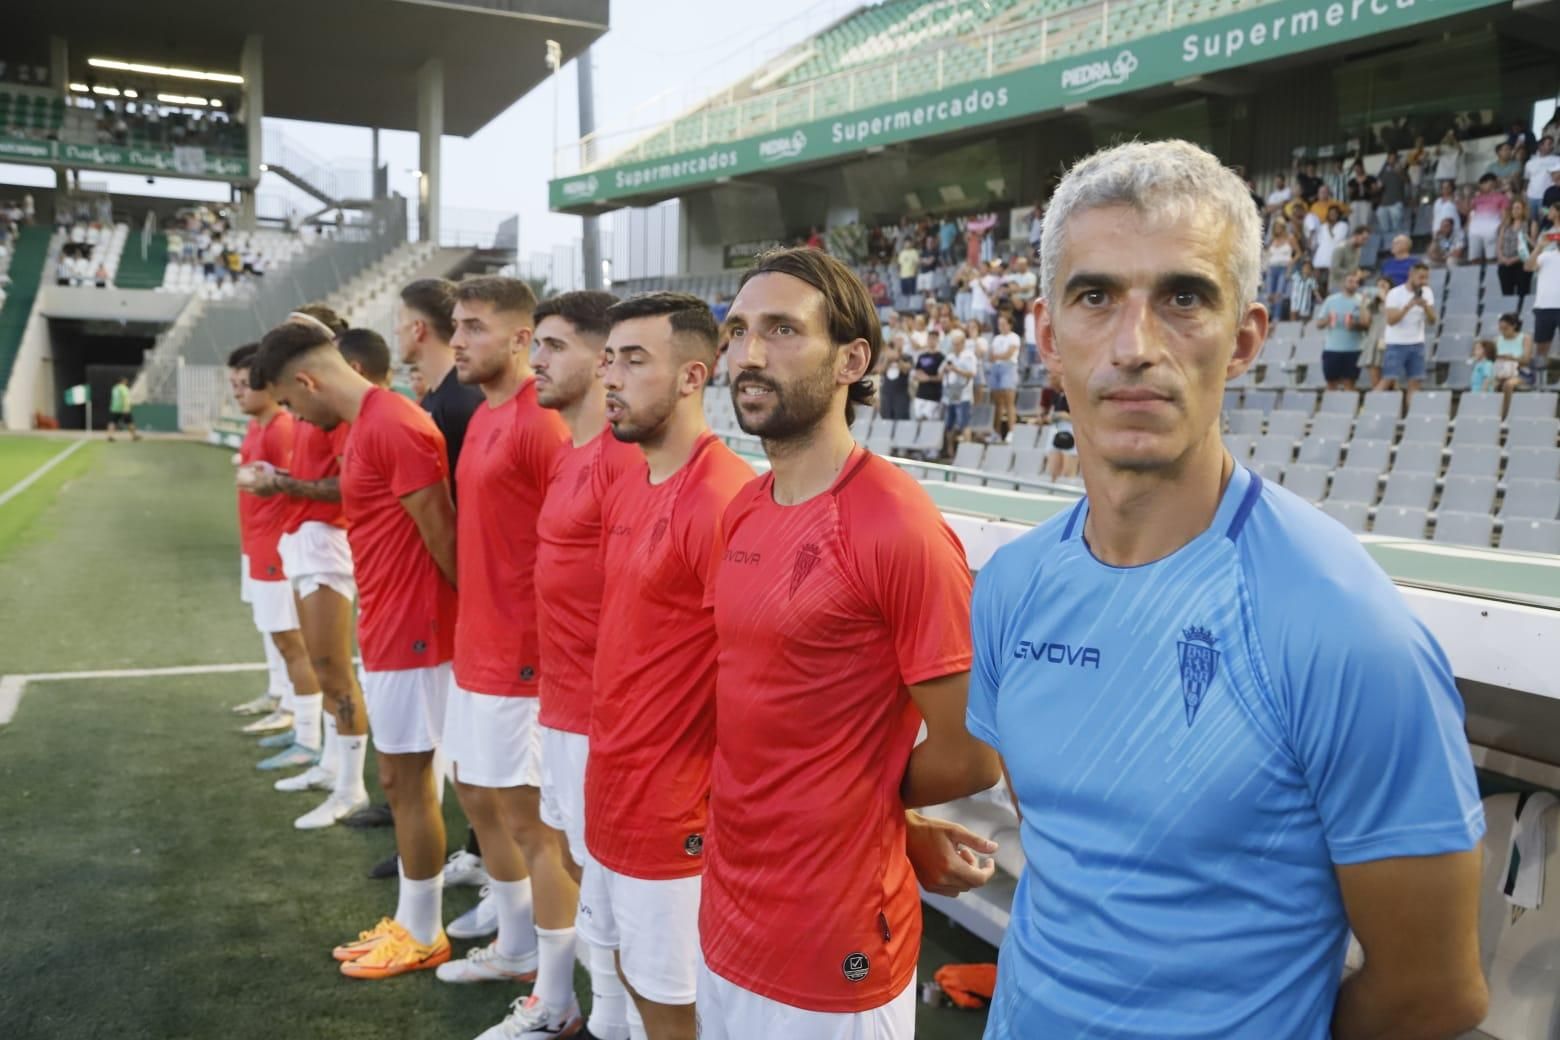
point(97, 353)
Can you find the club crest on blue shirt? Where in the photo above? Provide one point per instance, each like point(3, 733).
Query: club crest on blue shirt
point(1199, 661)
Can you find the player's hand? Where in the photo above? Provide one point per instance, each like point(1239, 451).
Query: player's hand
point(943, 855)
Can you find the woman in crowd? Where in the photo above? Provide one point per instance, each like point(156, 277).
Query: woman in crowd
point(1513, 350)
point(1513, 245)
point(894, 384)
point(1282, 251)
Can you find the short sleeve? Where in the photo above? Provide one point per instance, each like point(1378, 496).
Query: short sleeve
point(413, 457)
point(917, 572)
point(277, 445)
point(1377, 723)
point(986, 624)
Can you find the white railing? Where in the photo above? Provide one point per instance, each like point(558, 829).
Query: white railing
point(737, 112)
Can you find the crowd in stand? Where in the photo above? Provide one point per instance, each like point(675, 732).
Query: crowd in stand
point(202, 237)
point(145, 123)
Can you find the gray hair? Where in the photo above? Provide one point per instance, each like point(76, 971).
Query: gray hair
point(1175, 179)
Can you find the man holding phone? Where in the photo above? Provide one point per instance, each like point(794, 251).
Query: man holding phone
point(1410, 311)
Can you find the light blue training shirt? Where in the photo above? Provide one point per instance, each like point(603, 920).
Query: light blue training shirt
point(1195, 744)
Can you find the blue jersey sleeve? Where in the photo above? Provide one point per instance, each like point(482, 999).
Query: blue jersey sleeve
point(987, 610)
point(1374, 716)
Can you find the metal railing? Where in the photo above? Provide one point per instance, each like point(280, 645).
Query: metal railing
point(732, 114)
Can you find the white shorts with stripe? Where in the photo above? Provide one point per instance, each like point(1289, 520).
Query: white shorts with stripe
point(318, 556)
point(729, 1012)
point(654, 926)
point(563, 786)
point(492, 741)
point(406, 708)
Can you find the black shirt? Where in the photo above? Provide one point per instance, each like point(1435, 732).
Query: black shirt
point(1309, 186)
point(451, 404)
point(930, 362)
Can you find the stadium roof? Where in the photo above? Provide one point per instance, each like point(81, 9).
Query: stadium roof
point(333, 61)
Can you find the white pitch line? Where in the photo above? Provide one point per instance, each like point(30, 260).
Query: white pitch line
point(11, 686)
point(33, 477)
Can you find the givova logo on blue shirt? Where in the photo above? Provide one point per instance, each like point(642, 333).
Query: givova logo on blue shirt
point(1058, 653)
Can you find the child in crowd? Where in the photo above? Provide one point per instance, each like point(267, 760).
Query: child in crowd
point(1483, 375)
point(1304, 294)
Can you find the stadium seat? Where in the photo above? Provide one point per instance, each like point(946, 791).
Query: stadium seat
point(1473, 431)
point(1320, 451)
point(1464, 528)
point(1531, 499)
point(1533, 464)
point(1333, 425)
point(1383, 402)
point(1301, 401)
point(1532, 433)
point(1474, 461)
point(1478, 406)
point(1350, 514)
point(1417, 457)
point(1275, 449)
point(1025, 435)
point(861, 429)
point(1368, 455)
point(1341, 402)
point(1309, 482)
point(1431, 403)
point(982, 420)
point(1400, 522)
point(1029, 463)
point(1231, 400)
point(1376, 427)
point(1239, 445)
point(1468, 494)
point(1427, 428)
point(1028, 401)
point(1354, 485)
point(1263, 401)
point(998, 459)
point(1272, 472)
point(1247, 421)
point(968, 455)
point(1541, 536)
point(1533, 406)
point(1409, 489)
point(1458, 373)
point(1287, 424)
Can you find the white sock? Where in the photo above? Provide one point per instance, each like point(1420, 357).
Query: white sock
point(608, 998)
point(419, 906)
point(279, 684)
point(555, 966)
point(516, 923)
point(329, 751)
point(351, 753)
point(307, 709)
point(636, 1025)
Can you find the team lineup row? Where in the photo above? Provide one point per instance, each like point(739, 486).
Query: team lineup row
point(689, 711)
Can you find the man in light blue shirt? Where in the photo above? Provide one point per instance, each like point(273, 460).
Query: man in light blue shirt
point(1229, 740)
point(1346, 325)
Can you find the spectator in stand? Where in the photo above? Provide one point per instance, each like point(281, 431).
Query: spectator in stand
point(1390, 208)
point(1448, 158)
point(1361, 191)
point(1373, 306)
point(1061, 459)
point(1346, 258)
point(1414, 167)
point(1485, 214)
point(958, 373)
point(1447, 206)
point(1505, 169)
point(1513, 352)
point(1410, 313)
point(814, 239)
point(1278, 198)
point(1481, 376)
point(1303, 222)
point(1002, 376)
point(926, 278)
point(894, 395)
point(976, 337)
point(1520, 138)
point(947, 239)
point(1513, 245)
point(1545, 265)
point(1325, 202)
point(909, 267)
point(983, 298)
point(1330, 234)
point(418, 384)
point(1036, 230)
point(1345, 324)
point(926, 378)
point(1021, 285)
point(62, 270)
point(100, 277)
point(1282, 251)
point(1448, 245)
point(1304, 293)
point(963, 292)
point(1537, 172)
point(1307, 183)
point(1550, 201)
point(919, 330)
point(1402, 260)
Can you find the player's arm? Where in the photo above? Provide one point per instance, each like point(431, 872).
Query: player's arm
point(434, 514)
point(1417, 918)
point(327, 489)
point(950, 763)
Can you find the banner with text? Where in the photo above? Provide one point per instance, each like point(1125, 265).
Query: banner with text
point(174, 162)
point(1261, 33)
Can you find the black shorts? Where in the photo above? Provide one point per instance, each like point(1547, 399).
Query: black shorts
point(122, 418)
point(1340, 365)
point(1546, 322)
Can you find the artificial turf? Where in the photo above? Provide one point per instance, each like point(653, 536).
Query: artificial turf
point(153, 885)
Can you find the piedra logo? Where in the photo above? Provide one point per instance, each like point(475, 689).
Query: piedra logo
point(580, 189)
point(782, 147)
point(1080, 79)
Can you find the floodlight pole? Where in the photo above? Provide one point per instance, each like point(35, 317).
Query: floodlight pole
point(590, 245)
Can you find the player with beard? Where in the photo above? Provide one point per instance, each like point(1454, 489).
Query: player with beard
point(652, 721)
point(491, 734)
point(571, 335)
point(837, 567)
point(402, 532)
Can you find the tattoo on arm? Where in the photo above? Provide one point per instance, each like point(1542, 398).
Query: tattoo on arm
point(326, 490)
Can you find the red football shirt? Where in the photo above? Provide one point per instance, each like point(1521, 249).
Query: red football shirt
point(316, 456)
point(503, 469)
point(826, 612)
point(261, 521)
point(569, 575)
point(652, 719)
point(406, 610)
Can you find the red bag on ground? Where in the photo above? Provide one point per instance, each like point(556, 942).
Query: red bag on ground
point(968, 985)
